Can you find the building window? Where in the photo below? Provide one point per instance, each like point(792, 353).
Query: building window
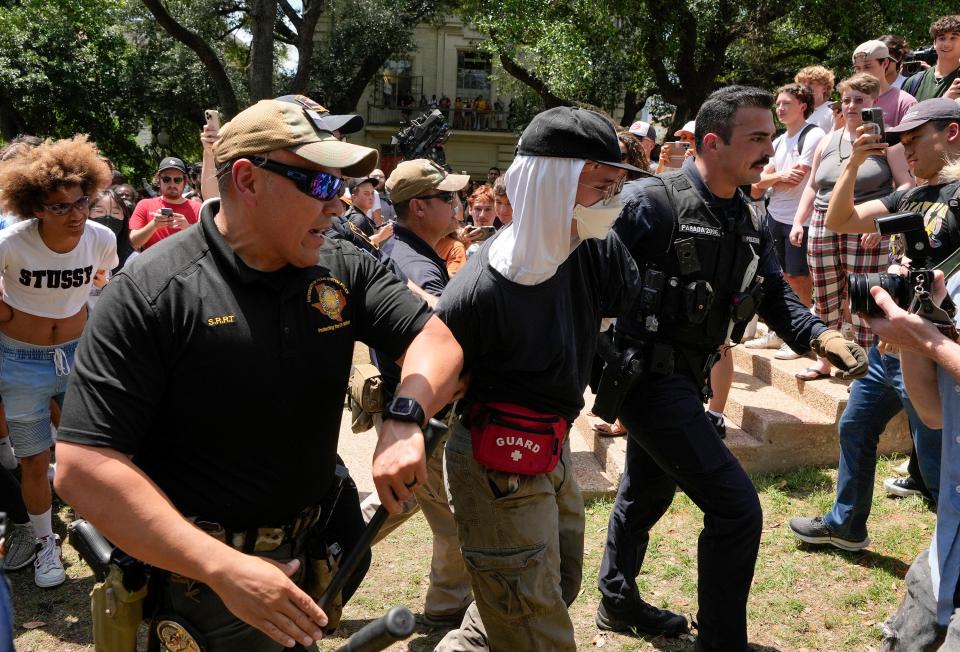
point(397, 85)
point(473, 74)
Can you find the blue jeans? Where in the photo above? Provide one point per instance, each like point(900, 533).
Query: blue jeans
point(874, 400)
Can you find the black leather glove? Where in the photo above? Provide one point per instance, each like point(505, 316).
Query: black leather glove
point(848, 357)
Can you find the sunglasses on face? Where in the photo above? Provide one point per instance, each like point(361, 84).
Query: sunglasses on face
point(171, 179)
point(316, 184)
point(62, 209)
point(446, 197)
point(610, 190)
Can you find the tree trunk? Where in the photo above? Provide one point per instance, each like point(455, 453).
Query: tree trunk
point(632, 105)
point(218, 74)
point(263, 14)
point(305, 32)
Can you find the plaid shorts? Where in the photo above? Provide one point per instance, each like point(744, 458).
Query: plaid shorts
point(831, 257)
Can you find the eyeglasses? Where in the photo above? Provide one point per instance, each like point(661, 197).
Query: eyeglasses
point(62, 209)
point(447, 197)
point(171, 179)
point(609, 191)
point(319, 185)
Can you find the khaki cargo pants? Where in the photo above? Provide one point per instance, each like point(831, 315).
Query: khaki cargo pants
point(449, 591)
point(522, 541)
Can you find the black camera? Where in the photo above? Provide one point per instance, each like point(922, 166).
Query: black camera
point(928, 55)
point(901, 288)
point(424, 137)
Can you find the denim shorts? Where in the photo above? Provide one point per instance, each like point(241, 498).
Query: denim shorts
point(31, 375)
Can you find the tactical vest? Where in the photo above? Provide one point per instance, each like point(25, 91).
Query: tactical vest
point(705, 287)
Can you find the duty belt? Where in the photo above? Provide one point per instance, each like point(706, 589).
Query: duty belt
point(261, 539)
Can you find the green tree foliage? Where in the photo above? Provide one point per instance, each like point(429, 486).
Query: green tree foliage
point(619, 52)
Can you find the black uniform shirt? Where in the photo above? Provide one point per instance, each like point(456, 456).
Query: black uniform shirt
point(646, 226)
point(411, 259)
point(227, 384)
point(534, 344)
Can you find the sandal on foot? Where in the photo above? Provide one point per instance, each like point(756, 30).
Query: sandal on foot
point(811, 373)
point(606, 430)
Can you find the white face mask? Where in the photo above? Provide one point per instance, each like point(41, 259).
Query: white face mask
point(596, 221)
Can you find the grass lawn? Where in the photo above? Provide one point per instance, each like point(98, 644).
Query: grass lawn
point(802, 599)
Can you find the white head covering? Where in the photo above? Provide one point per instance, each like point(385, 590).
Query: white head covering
point(542, 190)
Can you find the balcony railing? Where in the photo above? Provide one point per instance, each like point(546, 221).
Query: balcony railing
point(458, 119)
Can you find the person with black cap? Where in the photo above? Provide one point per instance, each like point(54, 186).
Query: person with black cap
point(156, 218)
point(527, 309)
point(930, 135)
point(252, 309)
point(708, 264)
point(362, 198)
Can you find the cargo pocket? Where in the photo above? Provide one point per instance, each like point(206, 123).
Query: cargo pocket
point(508, 579)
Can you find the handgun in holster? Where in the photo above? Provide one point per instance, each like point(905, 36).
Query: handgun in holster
point(116, 601)
point(621, 371)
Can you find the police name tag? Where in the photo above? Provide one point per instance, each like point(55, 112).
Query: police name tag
point(701, 229)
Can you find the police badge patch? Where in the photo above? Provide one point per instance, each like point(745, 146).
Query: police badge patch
point(328, 295)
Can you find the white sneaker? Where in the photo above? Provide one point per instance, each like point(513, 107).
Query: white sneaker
point(903, 468)
point(769, 341)
point(7, 459)
point(786, 353)
point(48, 566)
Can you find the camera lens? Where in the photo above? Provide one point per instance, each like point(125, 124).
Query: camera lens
point(861, 301)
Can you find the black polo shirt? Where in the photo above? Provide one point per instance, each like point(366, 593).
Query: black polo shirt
point(411, 259)
point(226, 384)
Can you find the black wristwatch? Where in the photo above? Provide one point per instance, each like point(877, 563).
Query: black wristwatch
point(405, 409)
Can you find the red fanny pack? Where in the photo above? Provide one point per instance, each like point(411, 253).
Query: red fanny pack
point(515, 439)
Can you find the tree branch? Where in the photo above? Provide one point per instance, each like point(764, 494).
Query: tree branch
point(305, 43)
point(291, 14)
point(209, 58)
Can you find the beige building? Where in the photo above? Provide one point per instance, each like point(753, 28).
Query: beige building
point(446, 63)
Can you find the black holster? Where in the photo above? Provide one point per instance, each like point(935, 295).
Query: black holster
point(621, 371)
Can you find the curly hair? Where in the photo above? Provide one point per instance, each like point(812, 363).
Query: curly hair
point(801, 93)
point(862, 83)
point(499, 187)
point(944, 25)
point(27, 179)
point(816, 75)
point(636, 155)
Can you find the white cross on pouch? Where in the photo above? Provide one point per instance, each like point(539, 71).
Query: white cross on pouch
point(516, 455)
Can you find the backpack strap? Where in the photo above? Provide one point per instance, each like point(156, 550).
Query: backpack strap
point(803, 136)
point(913, 83)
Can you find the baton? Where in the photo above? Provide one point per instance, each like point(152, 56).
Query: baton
point(431, 435)
point(396, 625)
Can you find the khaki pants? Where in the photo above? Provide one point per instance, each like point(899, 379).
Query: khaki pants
point(522, 541)
point(449, 591)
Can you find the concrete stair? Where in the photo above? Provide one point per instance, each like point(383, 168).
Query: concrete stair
point(774, 421)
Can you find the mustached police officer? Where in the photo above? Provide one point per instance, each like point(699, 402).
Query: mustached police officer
point(707, 264)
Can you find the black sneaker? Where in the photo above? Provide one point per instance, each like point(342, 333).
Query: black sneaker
point(718, 424)
point(902, 487)
point(642, 619)
point(814, 530)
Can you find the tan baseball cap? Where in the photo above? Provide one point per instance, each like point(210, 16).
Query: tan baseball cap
point(414, 178)
point(871, 50)
point(269, 125)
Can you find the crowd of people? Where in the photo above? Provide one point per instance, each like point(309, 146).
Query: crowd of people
point(600, 257)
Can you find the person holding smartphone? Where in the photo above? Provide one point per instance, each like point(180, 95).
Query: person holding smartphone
point(156, 218)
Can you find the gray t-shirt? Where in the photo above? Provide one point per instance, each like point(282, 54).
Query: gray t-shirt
point(874, 178)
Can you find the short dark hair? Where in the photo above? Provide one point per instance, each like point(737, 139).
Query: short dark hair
point(716, 114)
point(402, 209)
point(493, 167)
point(896, 46)
point(802, 93)
point(944, 25)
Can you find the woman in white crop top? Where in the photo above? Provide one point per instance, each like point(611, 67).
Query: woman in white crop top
point(49, 261)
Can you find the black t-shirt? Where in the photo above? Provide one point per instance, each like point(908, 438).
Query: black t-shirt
point(226, 384)
point(366, 224)
point(932, 202)
point(646, 226)
point(534, 344)
point(411, 259)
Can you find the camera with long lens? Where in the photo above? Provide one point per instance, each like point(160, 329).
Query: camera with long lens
point(424, 137)
point(901, 288)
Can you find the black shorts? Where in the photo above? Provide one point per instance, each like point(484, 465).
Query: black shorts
point(793, 260)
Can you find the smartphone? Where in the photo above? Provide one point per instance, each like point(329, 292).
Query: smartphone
point(166, 214)
point(213, 118)
point(486, 232)
point(910, 68)
point(873, 120)
point(679, 148)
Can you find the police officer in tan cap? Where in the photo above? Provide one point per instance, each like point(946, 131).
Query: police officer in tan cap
point(426, 201)
point(247, 325)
